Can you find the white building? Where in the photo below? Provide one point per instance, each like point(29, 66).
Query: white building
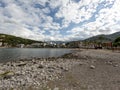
point(0, 44)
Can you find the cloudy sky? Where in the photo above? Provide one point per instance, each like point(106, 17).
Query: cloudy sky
point(59, 20)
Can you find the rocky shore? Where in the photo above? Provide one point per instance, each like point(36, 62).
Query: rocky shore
point(81, 70)
point(32, 74)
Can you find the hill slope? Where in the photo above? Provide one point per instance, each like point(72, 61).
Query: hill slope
point(104, 38)
point(13, 40)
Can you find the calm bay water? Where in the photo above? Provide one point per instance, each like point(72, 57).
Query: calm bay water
point(21, 53)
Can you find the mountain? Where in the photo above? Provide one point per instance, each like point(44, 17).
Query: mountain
point(104, 38)
point(114, 36)
point(13, 40)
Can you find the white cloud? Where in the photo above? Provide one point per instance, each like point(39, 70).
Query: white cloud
point(106, 20)
point(78, 33)
point(76, 12)
point(33, 18)
point(23, 19)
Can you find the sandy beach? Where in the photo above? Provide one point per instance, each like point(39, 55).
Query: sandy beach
point(81, 70)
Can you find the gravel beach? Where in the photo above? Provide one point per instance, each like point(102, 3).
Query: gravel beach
point(81, 70)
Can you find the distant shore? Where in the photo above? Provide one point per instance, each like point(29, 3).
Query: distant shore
point(83, 69)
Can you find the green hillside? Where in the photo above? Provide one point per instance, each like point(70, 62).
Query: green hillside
point(104, 38)
point(13, 40)
point(98, 39)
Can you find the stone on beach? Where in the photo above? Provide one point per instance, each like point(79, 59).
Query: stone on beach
point(92, 67)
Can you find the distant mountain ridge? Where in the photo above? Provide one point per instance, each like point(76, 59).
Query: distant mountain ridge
point(104, 38)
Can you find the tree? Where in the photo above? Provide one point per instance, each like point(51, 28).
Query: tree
point(117, 42)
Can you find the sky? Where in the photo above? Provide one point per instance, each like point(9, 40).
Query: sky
point(59, 20)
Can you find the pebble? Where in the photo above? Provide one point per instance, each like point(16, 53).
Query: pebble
point(56, 88)
point(115, 65)
point(92, 67)
point(41, 66)
point(80, 63)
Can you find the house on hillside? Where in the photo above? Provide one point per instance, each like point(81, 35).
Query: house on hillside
point(20, 45)
point(107, 45)
point(1, 42)
point(38, 45)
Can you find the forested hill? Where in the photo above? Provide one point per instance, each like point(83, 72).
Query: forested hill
point(104, 38)
point(13, 40)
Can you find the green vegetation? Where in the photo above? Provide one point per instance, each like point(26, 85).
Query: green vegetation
point(99, 39)
point(6, 74)
point(13, 41)
point(72, 44)
point(104, 38)
point(117, 42)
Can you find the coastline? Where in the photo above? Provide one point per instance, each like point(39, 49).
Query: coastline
point(10, 54)
point(80, 69)
point(21, 74)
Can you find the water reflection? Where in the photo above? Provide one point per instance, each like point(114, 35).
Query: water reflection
point(18, 53)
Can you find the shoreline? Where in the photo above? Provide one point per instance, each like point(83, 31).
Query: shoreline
point(13, 55)
point(73, 71)
point(14, 70)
